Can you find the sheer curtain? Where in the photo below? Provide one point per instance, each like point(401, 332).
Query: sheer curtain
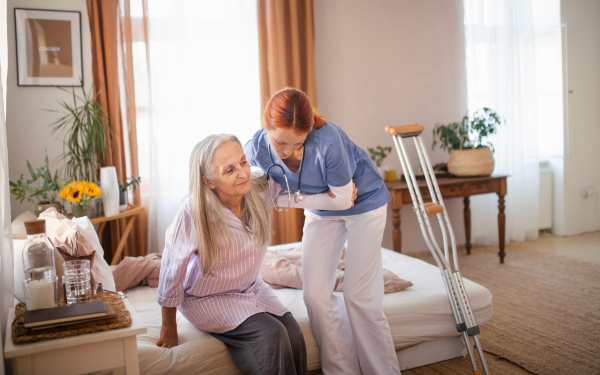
point(204, 79)
point(499, 38)
point(6, 245)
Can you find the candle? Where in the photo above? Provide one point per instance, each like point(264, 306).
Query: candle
point(41, 294)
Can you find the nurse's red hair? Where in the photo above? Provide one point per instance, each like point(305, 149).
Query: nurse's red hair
point(290, 109)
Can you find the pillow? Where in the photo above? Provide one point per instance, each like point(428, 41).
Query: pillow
point(18, 224)
point(19, 272)
point(77, 238)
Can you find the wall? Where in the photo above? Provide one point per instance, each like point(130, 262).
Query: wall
point(582, 166)
point(27, 119)
point(389, 62)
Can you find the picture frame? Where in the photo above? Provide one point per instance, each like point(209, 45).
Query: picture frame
point(48, 47)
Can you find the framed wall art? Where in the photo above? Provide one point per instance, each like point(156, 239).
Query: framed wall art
point(48, 47)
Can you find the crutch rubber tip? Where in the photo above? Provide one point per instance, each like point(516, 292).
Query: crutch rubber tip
point(476, 372)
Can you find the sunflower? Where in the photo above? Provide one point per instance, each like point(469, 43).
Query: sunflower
point(93, 190)
point(80, 192)
point(76, 193)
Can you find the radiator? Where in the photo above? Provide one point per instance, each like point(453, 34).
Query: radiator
point(545, 197)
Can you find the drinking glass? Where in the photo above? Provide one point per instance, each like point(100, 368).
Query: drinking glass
point(76, 281)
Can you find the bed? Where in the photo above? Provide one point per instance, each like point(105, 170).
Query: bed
point(420, 318)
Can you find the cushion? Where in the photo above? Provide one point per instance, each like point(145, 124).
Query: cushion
point(18, 224)
point(77, 238)
point(19, 272)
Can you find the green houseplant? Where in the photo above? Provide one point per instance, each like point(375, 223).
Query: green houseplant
point(131, 182)
point(472, 132)
point(41, 188)
point(86, 132)
point(379, 154)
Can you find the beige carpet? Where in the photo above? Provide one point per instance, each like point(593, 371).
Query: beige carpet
point(546, 313)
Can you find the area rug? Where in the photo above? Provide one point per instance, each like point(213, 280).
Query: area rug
point(546, 313)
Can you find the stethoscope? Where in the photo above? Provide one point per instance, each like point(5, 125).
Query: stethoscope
point(297, 195)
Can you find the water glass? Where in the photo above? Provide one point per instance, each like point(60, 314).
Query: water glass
point(77, 282)
point(41, 293)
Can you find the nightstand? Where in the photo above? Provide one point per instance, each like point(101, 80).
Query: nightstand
point(116, 348)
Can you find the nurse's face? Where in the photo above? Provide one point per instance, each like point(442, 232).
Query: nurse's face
point(285, 142)
point(231, 178)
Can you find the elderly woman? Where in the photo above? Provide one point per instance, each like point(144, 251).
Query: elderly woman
point(213, 252)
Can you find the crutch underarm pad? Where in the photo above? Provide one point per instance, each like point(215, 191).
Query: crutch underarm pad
point(412, 129)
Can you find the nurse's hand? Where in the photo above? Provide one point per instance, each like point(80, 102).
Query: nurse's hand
point(354, 194)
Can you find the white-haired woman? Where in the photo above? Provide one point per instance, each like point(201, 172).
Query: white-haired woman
point(209, 271)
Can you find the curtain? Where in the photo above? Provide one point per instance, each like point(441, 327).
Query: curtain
point(6, 245)
point(499, 38)
point(204, 79)
point(286, 55)
point(112, 33)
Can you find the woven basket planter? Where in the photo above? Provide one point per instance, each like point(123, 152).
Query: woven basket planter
point(471, 162)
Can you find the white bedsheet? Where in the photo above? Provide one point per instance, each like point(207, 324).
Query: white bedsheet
point(417, 314)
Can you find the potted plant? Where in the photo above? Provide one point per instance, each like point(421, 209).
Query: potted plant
point(471, 153)
point(41, 189)
point(131, 182)
point(378, 155)
point(87, 131)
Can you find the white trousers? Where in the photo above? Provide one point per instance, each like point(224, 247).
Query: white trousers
point(355, 336)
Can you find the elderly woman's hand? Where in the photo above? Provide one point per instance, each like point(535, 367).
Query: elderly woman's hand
point(168, 330)
point(168, 336)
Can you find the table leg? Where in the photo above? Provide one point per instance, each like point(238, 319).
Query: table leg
point(122, 242)
point(101, 229)
point(396, 232)
point(501, 227)
point(23, 365)
point(131, 356)
point(467, 217)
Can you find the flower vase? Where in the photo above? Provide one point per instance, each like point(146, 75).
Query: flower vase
point(80, 210)
point(110, 190)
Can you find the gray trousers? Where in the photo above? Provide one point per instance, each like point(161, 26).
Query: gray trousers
point(267, 344)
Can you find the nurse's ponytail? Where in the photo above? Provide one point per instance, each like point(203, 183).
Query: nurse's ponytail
point(290, 108)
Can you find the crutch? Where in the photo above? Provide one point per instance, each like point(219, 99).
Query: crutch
point(457, 296)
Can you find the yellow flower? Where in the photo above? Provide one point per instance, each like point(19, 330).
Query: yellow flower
point(92, 190)
point(76, 193)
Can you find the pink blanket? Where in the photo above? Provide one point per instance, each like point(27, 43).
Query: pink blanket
point(134, 271)
point(283, 268)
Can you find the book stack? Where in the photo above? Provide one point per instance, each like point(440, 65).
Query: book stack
point(67, 317)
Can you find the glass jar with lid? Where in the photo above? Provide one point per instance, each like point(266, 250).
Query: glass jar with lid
point(40, 284)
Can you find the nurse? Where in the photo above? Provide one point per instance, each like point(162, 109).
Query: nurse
point(316, 155)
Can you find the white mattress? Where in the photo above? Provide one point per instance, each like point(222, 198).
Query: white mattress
point(418, 314)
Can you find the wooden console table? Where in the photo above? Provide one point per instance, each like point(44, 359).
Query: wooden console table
point(451, 187)
point(130, 213)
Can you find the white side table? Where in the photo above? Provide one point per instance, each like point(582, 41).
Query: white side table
point(80, 354)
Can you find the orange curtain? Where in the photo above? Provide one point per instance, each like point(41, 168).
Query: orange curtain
point(112, 65)
point(286, 59)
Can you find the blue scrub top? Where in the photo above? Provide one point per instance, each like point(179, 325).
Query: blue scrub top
point(331, 159)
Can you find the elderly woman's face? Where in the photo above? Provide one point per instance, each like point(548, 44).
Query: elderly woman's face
point(231, 172)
